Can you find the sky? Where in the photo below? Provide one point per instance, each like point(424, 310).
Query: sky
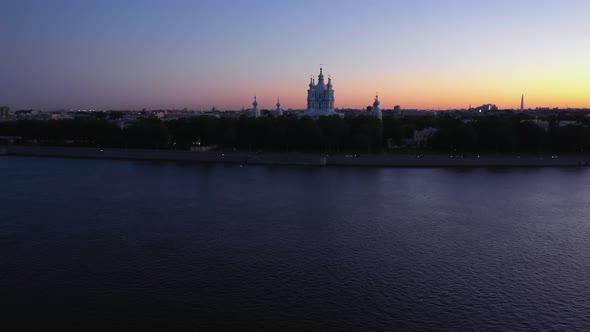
point(427, 54)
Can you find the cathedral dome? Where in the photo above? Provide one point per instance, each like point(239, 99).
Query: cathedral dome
point(321, 87)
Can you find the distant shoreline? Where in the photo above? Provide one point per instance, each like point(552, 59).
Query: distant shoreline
point(300, 159)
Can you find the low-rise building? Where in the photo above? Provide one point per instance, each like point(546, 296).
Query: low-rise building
point(568, 123)
point(4, 112)
point(422, 136)
point(543, 124)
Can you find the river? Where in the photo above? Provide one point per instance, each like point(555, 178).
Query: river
point(129, 245)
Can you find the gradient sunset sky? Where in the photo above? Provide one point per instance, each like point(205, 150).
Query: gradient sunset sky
point(428, 54)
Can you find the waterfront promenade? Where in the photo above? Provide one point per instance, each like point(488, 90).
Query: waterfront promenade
point(245, 158)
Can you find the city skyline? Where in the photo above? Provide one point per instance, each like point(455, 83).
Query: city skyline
point(182, 54)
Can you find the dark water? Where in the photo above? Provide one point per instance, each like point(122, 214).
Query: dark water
point(117, 245)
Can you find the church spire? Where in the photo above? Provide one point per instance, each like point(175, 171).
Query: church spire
point(278, 111)
point(321, 76)
point(254, 112)
point(376, 111)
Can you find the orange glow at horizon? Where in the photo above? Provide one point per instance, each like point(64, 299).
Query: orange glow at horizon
point(427, 54)
point(549, 89)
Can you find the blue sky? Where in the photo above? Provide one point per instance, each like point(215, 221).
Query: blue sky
point(198, 54)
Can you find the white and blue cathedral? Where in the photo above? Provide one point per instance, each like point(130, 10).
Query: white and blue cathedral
point(320, 101)
point(320, 97)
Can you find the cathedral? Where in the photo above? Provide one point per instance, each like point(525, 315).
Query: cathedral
point(320, 101)
point(320, 98)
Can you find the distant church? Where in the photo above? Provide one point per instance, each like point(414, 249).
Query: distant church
point(320, 101)
point(375, 110)
point(320, 98)
point(254, 111)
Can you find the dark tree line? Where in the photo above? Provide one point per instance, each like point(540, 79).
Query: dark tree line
point(288, 133)
point(507, 133)
point(510, 134)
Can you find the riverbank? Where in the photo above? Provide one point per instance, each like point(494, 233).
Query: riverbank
point(244, 158)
